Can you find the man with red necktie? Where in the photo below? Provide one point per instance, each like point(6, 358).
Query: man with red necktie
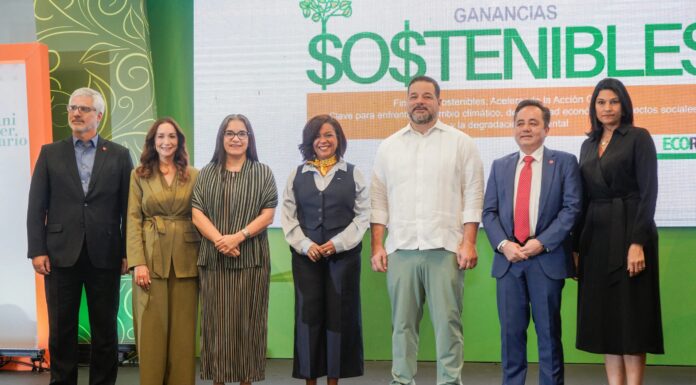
point(531, 204)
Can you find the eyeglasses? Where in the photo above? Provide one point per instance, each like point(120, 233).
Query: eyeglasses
point(83, 109)
point(242, 135)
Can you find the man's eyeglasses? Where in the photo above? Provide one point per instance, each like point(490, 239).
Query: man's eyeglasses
point(83, 109)
point(242, 135)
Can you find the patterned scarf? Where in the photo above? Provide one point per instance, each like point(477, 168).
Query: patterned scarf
point(323, 165)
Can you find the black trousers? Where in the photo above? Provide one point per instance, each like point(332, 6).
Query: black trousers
point(63, 294)
point(328, 322)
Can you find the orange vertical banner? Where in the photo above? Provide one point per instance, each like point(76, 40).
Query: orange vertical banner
point(34, 56)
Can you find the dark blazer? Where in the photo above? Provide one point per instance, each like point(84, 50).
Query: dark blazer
point(559, 207)
point(61, 217)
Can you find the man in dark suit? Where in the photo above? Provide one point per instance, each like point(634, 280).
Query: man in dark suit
point(75, 224)
point(532, 201)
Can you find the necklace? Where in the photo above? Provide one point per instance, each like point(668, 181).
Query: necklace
point(606, 137)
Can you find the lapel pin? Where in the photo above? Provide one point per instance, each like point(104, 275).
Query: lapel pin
point(550, 161)
point(103, 148)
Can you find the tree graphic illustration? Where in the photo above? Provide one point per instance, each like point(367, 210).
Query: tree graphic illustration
point(322, 11)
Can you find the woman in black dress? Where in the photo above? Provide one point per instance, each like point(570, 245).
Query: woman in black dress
point(325, 214)
point(618, 293)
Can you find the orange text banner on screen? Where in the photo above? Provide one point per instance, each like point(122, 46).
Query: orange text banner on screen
point(32, 98)
point(489, 113)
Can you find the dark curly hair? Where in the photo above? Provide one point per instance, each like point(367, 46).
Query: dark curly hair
point(311, 132)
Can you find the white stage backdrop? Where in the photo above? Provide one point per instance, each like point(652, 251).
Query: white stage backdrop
point(280, 62)
point(18, 296)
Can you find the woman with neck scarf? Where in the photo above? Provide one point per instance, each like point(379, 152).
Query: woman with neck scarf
point(325, 214)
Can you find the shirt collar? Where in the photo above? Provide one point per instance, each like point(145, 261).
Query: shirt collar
point(94, 140)
point(340, 165)
point(622, 129)
point(410, 130)
point(538, 154)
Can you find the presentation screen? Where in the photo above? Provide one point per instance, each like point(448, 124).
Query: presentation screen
point(281, 62)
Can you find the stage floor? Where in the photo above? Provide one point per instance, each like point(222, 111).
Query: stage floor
point(378, 373)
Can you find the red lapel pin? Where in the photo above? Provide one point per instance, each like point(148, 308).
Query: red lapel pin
point(550, 161)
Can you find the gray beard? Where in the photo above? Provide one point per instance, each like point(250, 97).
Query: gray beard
point(81, 130)
point(427, 118)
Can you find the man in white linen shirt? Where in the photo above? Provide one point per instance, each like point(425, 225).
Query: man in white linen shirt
point(427, 187)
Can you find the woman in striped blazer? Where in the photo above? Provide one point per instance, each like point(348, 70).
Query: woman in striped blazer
point(233, 202)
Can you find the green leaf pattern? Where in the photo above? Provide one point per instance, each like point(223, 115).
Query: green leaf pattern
point(105, 45)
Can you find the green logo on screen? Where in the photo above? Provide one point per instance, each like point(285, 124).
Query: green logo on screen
point(678, 147)
point(322, 11)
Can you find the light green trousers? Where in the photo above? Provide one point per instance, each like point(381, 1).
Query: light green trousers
point(414, 276)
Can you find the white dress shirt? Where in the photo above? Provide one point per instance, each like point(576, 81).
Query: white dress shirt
point(425, 187)
point(346, 239)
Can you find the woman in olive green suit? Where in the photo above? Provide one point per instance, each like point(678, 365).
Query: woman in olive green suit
point(162, 247)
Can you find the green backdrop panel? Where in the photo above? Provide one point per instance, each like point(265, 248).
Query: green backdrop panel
point(480, 317)
point(171, 39)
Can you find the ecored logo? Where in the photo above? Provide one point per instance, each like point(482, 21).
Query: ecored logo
point(678, 147)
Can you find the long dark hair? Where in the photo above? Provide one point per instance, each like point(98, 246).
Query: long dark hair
point(619, 89)
point(149, 159)
point(220, 156)
point(311, 131)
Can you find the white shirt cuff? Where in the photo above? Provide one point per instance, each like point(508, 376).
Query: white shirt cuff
point(469, 216)
point(379, 216)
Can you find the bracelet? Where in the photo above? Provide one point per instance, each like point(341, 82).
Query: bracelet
point(246, 233)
